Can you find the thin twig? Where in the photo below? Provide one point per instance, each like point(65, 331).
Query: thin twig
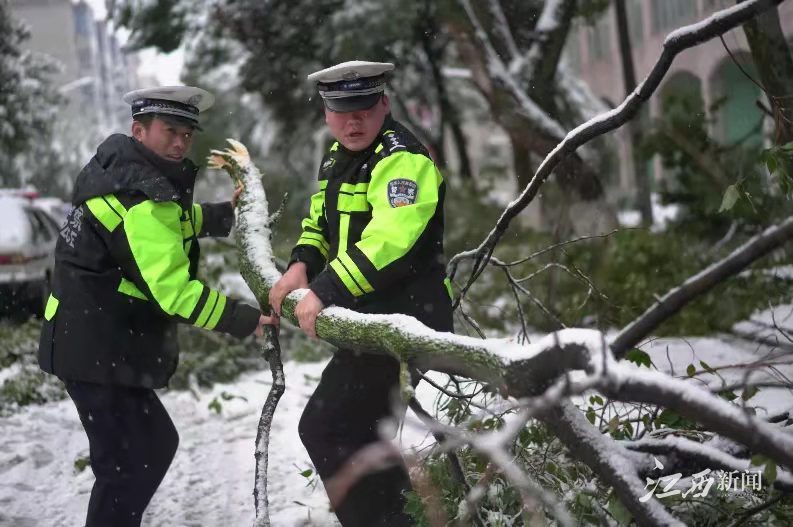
point(272, 353)
point(759, 508)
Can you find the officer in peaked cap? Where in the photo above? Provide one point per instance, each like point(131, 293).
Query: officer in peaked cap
point(351, 86)
point(372, 242)
point(125, 275)
point(177, 104)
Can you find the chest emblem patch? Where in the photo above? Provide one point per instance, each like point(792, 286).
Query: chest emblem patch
point(402, 192)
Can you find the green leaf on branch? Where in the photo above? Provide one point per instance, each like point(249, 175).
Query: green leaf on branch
point(226, 396)
point(706, 367)
point(778, 160)
point(618, 511)
point(628, 429)
point(769, 472)
point(639, 357)
point(81, 463)
point(590, 415)
point(672, 419)
point(749, 392)
point(730, 198)
point(727, 394)
point(758, 460)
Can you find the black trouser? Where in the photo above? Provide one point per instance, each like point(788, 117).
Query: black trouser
point(341, 417)
point(132, 441)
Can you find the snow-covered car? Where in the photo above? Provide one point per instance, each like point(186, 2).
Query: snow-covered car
point(56, 208)
point(27, 255)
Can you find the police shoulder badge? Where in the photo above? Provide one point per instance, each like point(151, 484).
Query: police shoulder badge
point(402, 192)
point(328, 163)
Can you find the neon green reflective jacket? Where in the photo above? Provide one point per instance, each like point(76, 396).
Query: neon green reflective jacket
point(373, 238)
point(125, 271)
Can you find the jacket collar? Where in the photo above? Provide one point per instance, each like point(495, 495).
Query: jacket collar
point(123, 164)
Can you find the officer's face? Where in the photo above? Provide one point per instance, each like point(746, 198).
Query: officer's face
point(357, 130)
point(166, 139)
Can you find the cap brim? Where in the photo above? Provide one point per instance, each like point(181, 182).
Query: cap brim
point(352, 104)
point(179, 121)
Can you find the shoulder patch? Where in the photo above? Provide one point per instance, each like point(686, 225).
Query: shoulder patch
point(393, 141)
point(402, 192)
point(329, 163)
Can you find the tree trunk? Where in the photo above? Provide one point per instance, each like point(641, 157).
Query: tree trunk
point(533, 127)
point(635, 125)
point(774, 63)
point(449, 114)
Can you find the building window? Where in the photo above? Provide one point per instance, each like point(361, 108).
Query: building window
point(83, 21)
point(739, 119)
point(669, 14)
point(572, 48)
point(600, 39)
point(636, 22)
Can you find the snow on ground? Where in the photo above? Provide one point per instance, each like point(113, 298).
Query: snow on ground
point(662, 214)
point(776, 323)
point(211, 480)
point(727, 356)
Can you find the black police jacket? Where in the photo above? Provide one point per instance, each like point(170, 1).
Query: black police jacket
point(125, 271)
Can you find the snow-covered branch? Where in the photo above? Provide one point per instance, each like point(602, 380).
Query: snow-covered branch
point(704, 455)
point(608, 459)
point(502, 28)
point(677, 41)
point(551, 28)
point(762, 244)
point(544, 374)
point(499, 71)
point(689, 401)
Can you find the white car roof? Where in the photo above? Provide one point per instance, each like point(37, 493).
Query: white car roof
point(15, 228)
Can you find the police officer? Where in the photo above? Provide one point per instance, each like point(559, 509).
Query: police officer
point(125, 274)
point(372, 242)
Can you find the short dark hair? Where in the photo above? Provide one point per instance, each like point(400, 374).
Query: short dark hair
point(145, 119)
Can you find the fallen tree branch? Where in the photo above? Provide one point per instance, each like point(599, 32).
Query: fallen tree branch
point(253, 267)
point(260, 498)
point(705, 455)
point(549, 371)
point(455, 466)
point(608, 459)
point(675, 299)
